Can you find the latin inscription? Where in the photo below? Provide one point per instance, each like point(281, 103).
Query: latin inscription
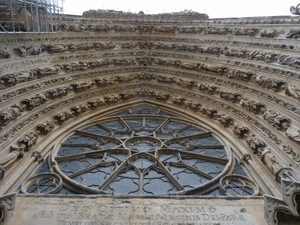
point(128, 214)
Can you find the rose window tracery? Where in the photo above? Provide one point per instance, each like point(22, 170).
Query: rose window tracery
point(144, 152)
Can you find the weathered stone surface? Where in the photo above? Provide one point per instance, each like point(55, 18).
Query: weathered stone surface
point(137, 211)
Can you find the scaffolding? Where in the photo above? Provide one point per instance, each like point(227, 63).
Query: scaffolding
point(29, 16)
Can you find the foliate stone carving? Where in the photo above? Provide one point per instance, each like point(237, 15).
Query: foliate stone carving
point(30, 50)
point(100, 82)
point(293, 90)
point(7, 205)
point(239, 74)
point(77, 110)
point(9, 114)
point(62, 117)
point(7, 80)
point(129, 28)
point(225, 120)
point(293, 133)
point(58, 48)
point(31, 103)
point(123, 61)
point(249, 31)
point(4, 53)
point(220, 70)
point(256, 144)
point(251, 105)
point(37, 157)
point(45, 128)
point(111, 99)
point(178, 100)
point(82, 86)
point(195, 106)
point(268, 33)
point(190, 29)
point(145, 29)
point(145, 61)
point(185, 83)
point(210, 112)
point(229, 95)
point(128, 45)
point(165, 29)
point(276, 119)
point(207, 88)
point(293, 33)
point(268, 83)
point(239, 130)
point(270, 160)
point(57, 92)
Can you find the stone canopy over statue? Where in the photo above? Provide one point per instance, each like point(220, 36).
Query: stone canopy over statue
point(295, 10)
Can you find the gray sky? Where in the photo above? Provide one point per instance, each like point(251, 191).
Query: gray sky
point(215, 9)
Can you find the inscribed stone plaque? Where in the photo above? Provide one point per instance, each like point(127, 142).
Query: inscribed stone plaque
point(95, 210)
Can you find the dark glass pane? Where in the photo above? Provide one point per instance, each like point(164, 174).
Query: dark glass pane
point(156, 183)
point(218, 153)
point(79, 139)
point(189, 131)
point(238, 169)
point(125, 183)
point(204, 141)
point(114, 125)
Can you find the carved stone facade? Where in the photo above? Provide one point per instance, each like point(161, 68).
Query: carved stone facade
point(238, 78)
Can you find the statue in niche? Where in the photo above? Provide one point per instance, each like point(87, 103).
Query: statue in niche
point(270, 160)
point(295, 10)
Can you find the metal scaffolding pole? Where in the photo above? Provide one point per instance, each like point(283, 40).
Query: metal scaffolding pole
point(12, 16)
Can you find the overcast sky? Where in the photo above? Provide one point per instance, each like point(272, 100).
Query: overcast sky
point(214, 8)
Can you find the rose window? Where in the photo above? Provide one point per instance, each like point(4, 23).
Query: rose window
point(141, 152)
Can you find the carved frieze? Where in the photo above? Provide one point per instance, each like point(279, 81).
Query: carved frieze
point(210, 112)
point(4, 53)
point(270, 33)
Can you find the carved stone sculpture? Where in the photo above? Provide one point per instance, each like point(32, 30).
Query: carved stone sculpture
point(9, 114)
point(293, 133)
point(100, 82)
point(268, 83)
point(270, 160)
point(30, 50)
point(210, 112)
point(57, 92)
point(239, 130)
point(268, 33)
point(10, 158)
point(8, 80)
point(293, 90)
point(31, 103)
point(45, 128)
point(293, 33)
point(82, 86)
point(295, 10)
point(62, 117)
point(128, 45)
point(178, 100)
point(58, 48)
point(256, 144)
point(251, 105)
point(225, 120)
point(195, 106)
point(239, 74)
point(276, 119)
point(207, 88)
point(4, 53)
point(229, 95)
